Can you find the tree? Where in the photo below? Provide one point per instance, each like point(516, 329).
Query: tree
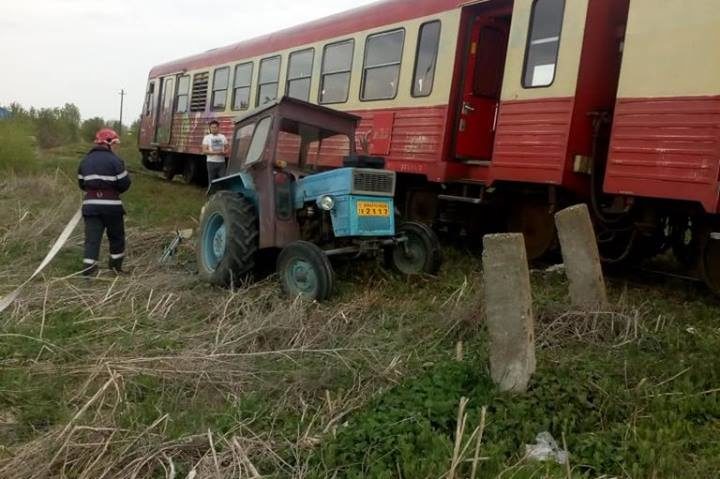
point(135, 128)
point(91, 126)
point(69, 116)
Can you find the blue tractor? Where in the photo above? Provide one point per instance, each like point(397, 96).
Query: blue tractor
point(280, 200)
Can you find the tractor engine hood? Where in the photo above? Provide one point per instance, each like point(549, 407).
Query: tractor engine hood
point(345, 181)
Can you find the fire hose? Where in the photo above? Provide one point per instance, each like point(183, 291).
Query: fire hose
point(56, 247)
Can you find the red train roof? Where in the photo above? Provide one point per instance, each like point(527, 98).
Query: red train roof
point(376, 14)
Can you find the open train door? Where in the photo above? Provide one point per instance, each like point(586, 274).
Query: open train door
point(482, 84)
point(164, 117)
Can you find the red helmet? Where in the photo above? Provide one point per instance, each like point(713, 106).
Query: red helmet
point(106, 136)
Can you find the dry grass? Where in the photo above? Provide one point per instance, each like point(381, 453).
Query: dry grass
point(230, 342)
point(204, 348)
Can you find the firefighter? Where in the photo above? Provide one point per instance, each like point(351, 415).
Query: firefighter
point(103, 177)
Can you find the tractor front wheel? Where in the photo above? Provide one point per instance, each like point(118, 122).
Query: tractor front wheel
point(305, 271)
point(419, 253)
point(228, 240)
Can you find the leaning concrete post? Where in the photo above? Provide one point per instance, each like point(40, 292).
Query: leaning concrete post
point(582, 259)
point(508, 310)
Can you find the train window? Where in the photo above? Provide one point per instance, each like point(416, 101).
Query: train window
point(426, 59)
point(381, 69)
point(198, 100)
point(242, 86)
point(183, 94)
point(167, 96)
point(300, 68)
point(257, 145)
point(150, 99)
point(541, 54)
point(336, 68)
point(221, 78)
point(269, 80)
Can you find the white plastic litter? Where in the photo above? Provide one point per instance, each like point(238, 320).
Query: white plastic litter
point(546, 449)
point(556, 268)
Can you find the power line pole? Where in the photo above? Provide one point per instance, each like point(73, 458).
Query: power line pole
point(122, 97)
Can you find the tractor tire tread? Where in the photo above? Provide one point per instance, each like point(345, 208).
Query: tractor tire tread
point(242, 236)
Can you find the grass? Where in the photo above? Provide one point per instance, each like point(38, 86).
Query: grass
point(158, 374)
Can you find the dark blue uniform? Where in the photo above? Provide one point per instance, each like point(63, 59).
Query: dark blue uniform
point(103, 177)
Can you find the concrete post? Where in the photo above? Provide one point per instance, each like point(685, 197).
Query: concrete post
point(508, 310)
point(582, 259)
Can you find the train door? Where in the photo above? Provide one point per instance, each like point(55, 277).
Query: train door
point(147, 124)
point(163, 126)
point(485, 66)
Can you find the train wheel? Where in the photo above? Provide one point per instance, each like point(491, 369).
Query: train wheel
point(711, 264)
point(536, 222)
point(168, 168)
point(422, 206)
point(685, 240)
point(190, 171)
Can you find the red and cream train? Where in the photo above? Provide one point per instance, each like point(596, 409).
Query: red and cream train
point(494, 113)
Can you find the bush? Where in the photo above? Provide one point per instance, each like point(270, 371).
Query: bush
point(90, 127)
point(51, 126)
point(58, 126)
point(17, 146)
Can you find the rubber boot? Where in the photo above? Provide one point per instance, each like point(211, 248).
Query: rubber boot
point(115, 265)
point(89, 270)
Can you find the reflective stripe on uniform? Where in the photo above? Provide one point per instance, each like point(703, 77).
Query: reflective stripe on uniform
point(103, 202)
point(89, 261)
point(103, 177)
point(117, 256)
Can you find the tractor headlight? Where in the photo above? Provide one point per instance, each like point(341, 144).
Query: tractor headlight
point(326, 203)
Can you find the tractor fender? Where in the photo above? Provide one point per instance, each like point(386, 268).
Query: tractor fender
point(241, 182)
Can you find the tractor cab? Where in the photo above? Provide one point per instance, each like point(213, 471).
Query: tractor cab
point(283, 192)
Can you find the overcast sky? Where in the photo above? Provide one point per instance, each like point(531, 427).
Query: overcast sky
point(85, 51)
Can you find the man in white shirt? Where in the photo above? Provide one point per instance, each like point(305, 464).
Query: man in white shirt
point(214, 146)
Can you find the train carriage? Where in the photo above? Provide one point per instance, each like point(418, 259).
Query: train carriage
point(493, 113)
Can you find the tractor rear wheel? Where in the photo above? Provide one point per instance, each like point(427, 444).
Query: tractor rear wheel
point(228, 240)
point(419, 253)
point(305, 271)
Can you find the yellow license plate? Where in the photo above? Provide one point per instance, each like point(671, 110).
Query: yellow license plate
point(371, 208)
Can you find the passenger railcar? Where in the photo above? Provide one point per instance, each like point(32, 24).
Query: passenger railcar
point(493, 113)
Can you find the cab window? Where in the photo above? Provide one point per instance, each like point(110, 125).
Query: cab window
point(241, 144)
point(259, 139)
point(150, 99)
